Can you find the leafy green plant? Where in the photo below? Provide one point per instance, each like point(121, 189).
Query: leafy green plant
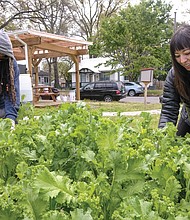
point(72, 163)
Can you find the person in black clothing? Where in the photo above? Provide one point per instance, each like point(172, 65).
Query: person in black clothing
point(176, 92)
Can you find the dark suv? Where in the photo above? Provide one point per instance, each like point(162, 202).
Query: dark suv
point(103, 90)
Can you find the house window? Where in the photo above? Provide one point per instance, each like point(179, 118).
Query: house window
point(83, 77)
point(40, 79)
point(84, 74)
point(46, 79)
point(104, 76)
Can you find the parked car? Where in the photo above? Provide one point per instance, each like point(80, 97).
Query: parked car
point(103, 90)
point(133, 88)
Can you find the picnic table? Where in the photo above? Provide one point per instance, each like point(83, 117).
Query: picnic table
point(45, 92)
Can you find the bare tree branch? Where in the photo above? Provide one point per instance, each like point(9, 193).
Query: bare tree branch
point(20, 10)
point(87, 14)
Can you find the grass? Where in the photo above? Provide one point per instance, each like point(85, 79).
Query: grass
point(126, 107)
point(152, 92)
point(104, 107)
point(107, 107)
point(27, 109)
point(122, 107)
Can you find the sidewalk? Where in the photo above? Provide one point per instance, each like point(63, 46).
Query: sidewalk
point(130, 113)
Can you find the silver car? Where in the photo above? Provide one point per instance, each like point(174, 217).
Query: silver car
point(133, 89)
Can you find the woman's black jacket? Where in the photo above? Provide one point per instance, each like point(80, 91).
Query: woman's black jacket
point(171, 103)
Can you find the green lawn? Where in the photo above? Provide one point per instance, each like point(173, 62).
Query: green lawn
point(122, 107)
point(27, 110)
point(126, 107)
point(152, 92)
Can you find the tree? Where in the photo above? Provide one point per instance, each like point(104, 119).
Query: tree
point(52, 19)
point(53, 16)
point(87, 15)
point(137, 37)
point(20, 11)
point(64, 66)
point(50, 16)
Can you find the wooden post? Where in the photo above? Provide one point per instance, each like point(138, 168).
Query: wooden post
point(35, 64)
point(29, 70)
point(76, 60)
point(77, 79)
point(145, 92)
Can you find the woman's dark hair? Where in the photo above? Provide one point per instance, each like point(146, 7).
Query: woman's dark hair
point(180, 41)
point(7, 78)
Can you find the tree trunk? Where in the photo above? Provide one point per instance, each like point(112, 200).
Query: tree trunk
point(56, 75)
point(50, 78)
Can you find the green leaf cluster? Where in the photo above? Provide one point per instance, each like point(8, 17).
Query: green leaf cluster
point(72, 163)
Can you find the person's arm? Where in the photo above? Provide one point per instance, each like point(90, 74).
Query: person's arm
point(170, 102)
point(11, 110)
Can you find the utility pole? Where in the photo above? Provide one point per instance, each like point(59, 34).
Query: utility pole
point(175, 20)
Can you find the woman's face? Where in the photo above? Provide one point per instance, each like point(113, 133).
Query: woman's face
point(183, 58)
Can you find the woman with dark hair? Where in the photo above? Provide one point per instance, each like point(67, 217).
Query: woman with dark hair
point(9, 80)
point(177, 84)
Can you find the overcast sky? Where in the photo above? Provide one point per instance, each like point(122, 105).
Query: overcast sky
point(179, 6)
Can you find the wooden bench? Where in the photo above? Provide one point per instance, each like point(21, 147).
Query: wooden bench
point(45, 92)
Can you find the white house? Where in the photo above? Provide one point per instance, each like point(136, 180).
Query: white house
point(92, 70)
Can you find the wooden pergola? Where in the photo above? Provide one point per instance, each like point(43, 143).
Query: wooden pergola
point(33, 46)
